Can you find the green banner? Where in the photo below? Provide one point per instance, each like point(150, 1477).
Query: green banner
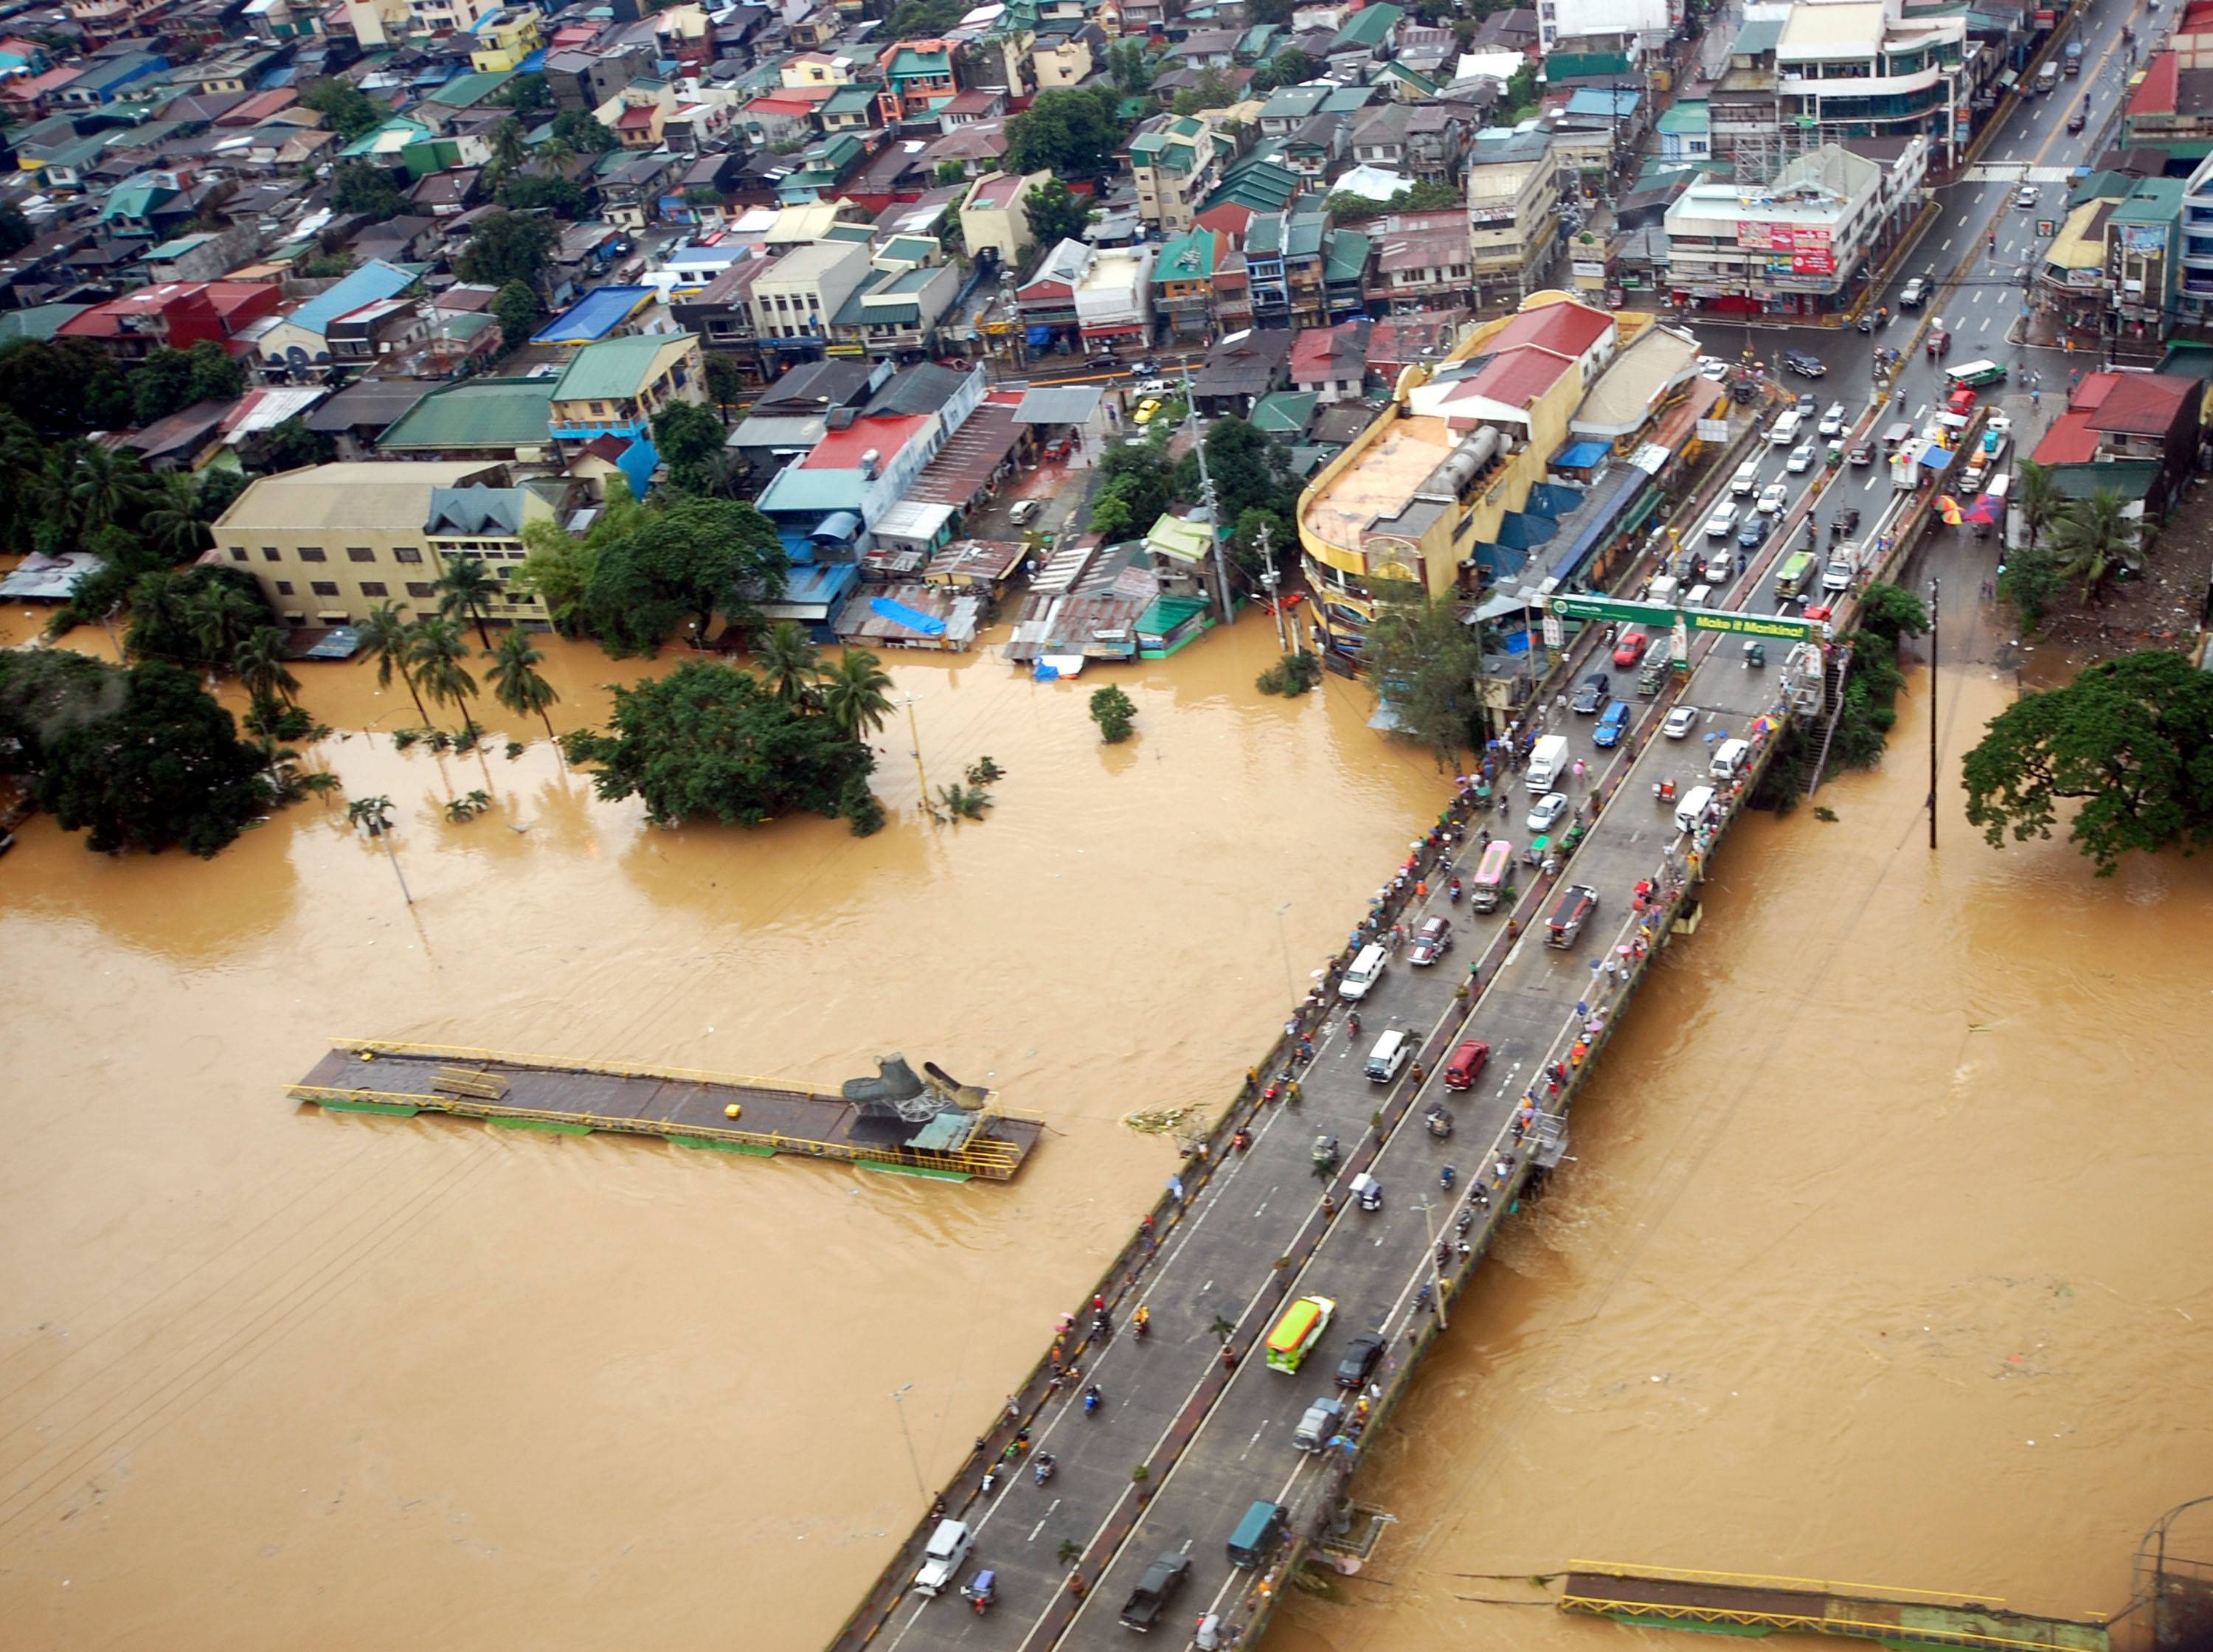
point(1659, 616)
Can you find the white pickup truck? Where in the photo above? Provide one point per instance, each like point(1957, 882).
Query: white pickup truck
point(941, 1562)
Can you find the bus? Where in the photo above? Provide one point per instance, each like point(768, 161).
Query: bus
point(1298, 1331)
point(1490, 876)
point(1796, 569)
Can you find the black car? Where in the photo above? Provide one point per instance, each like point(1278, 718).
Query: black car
point(1591, 694)
point(1807, 406)
point(1754, 534)
point(1809, 366)
point(1432, 940)
point(1359, 1359)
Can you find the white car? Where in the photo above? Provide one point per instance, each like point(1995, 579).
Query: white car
point(1550, 808)
point(1680, 721)
point(1833, 422)
point(1719, 524)
point(1712, 367)
point(1774, 498)
point(1998, 424)
point(1802, 458)
point(2029, 196)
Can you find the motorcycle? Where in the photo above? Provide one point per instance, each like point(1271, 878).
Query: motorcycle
point(1447, 1177)
point(1042, 1471)
point(1452, 892)
point(1352, 1022)
point(1142, 1325)
point(1093, 1399)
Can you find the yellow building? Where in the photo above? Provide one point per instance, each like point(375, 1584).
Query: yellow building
point(1435, 476)
point(505, 39)
point(995, 214)
point(330, 542)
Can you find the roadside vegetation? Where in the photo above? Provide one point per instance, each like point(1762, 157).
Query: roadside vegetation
point(1425, 664)
point(1888, 613)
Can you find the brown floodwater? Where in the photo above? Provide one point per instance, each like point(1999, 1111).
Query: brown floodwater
point(1881, 1258)
point(273, 1379)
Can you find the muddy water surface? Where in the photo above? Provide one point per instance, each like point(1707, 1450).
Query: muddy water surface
point(272, 1379)
point(1880, 1259)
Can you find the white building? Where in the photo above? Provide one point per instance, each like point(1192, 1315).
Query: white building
point(1789, 248)
point(1644, 24)
point(1862, 69)
point(1114, 298)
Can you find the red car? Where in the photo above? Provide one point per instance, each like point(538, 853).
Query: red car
point(1631, 649)
point(1962, 402)
point(1466, 1065)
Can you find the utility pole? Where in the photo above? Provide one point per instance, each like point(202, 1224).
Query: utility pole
point(1268, 577)
point(1208, 510)
point(1934, 634)
point(915, 735)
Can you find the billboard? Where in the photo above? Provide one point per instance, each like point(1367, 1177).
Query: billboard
point(1801, 248)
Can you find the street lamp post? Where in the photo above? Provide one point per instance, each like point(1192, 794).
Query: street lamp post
point(1934, 635)
point(1429, 1220)
point(898, 1399)
point(1283, 939)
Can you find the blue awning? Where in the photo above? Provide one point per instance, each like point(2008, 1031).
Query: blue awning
point(913, 619)
point(1936, 458)
point(1581, 456)
point(839, 525)
point(1040, 337)
point(1551, 499)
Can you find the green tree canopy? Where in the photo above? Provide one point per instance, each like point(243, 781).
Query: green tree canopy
point(577, 133)
point(2093, 542)
point(1131, 66)
point(707, 742)
point(165, 767)
point(1056, 215)
point(1424, 664)
point(507, 247)
point(1292, 66)
point(687, 434)
point(352, 114)
point(1075, 132)
point(364, 186)
point(691, 559)
point(516, 308)
point(195, 616)
point(2130, 741)
point(526, 93)
point(922, 19)
point(526, 192)
point(59, 387)
point(15, 231)
point(1139, 485)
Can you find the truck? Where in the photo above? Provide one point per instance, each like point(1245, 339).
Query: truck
point(942, 1560)
point(1156, 1589)
point(1547, 757)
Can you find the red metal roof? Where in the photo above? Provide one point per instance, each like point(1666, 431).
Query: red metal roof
point(885, 433)
point(1518, 377)
point(1569, 328)
point(2156, 95)
point(2089, 395)
point(2070, 441)
point(2143, 404)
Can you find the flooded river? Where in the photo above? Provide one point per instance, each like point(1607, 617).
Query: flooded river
point(1881, 1258)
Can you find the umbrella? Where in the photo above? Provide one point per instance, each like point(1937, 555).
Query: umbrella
point(1946, 502)
point(1949, 509)
point(1985, 509)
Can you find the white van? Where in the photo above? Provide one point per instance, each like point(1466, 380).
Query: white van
point(1389, 1056)
point(1662, 589)
point(1785, 429)
point(1690, 813)
point(1025, 512)
point(1746, 479)
point(1367, 970)
point(1731, 757)
point(1547, 758)
point(1699, 596)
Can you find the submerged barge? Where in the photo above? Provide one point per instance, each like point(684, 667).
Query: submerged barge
point(927, 1125)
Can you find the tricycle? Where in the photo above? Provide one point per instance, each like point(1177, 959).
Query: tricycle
point(1663, 790)
point(1439, 1121)
point(1325, 1152)
point(1575, 836)
point(1755, 654)
point(981, 1591)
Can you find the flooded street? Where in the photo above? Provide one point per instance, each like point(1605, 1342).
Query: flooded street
point(273, 1378)
point(1880, 1259)
point(1882, 1255)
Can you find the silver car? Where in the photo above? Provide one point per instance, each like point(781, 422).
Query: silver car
point(1550, 808)
point(1680, 721)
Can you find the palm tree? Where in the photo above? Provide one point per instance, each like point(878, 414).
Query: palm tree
point(260, 662)
point(466, 590)
point(2037, 498)
point(508, 146)
point(437, 653)
point(375, 813)
point(221, 617)
point(104, 487)
point(555, 154)
point(385, 638)
point(515, 680)
point(789, 663)
point(2093, 539)
point(173, 521)
point(854, 693)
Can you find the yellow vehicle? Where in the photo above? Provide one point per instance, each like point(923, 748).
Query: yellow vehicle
point(1298, 1331)
point(1146, 409)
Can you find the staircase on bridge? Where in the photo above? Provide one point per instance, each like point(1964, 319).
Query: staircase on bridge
point(1733, 1603)
point(1834, 670)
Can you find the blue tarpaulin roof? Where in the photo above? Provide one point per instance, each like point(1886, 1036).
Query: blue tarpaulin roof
point(1522, 531)
point(1936, 458)
point(1604, 521)
point(913, 619)
point(1551, 499)
point(1039, 336)
point(1501, 560)
point(1580, 456)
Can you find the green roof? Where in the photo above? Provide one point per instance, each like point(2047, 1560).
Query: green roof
point(38, 322)
point(907, 61)
point(2153, 200)
point(849, 99)
point(1348, 256)
point(464, 91)
point(1187, 258)
point(1264, 188)
point(1371, 25)
point(477, 413)
point(915, 248)
point(1690, 118)
point(1574, 65)
point(612, 369)
point(1285, 413)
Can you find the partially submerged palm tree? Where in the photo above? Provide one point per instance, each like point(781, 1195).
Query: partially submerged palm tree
point(439, 655)
point(260, 662)
point(467, 590)
point(789, 662)
point(856, 693)
point(515, 683)
point(386, 638)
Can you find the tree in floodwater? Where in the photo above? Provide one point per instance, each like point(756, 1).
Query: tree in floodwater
point(1423, 663)
point(2130, 741)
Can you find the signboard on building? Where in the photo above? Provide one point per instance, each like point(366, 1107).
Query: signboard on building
point(1587, 271)
point(1713, 429)
point(1490, 217)
point(1802, 248)
point(1556, 635)
point(1659, 616)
